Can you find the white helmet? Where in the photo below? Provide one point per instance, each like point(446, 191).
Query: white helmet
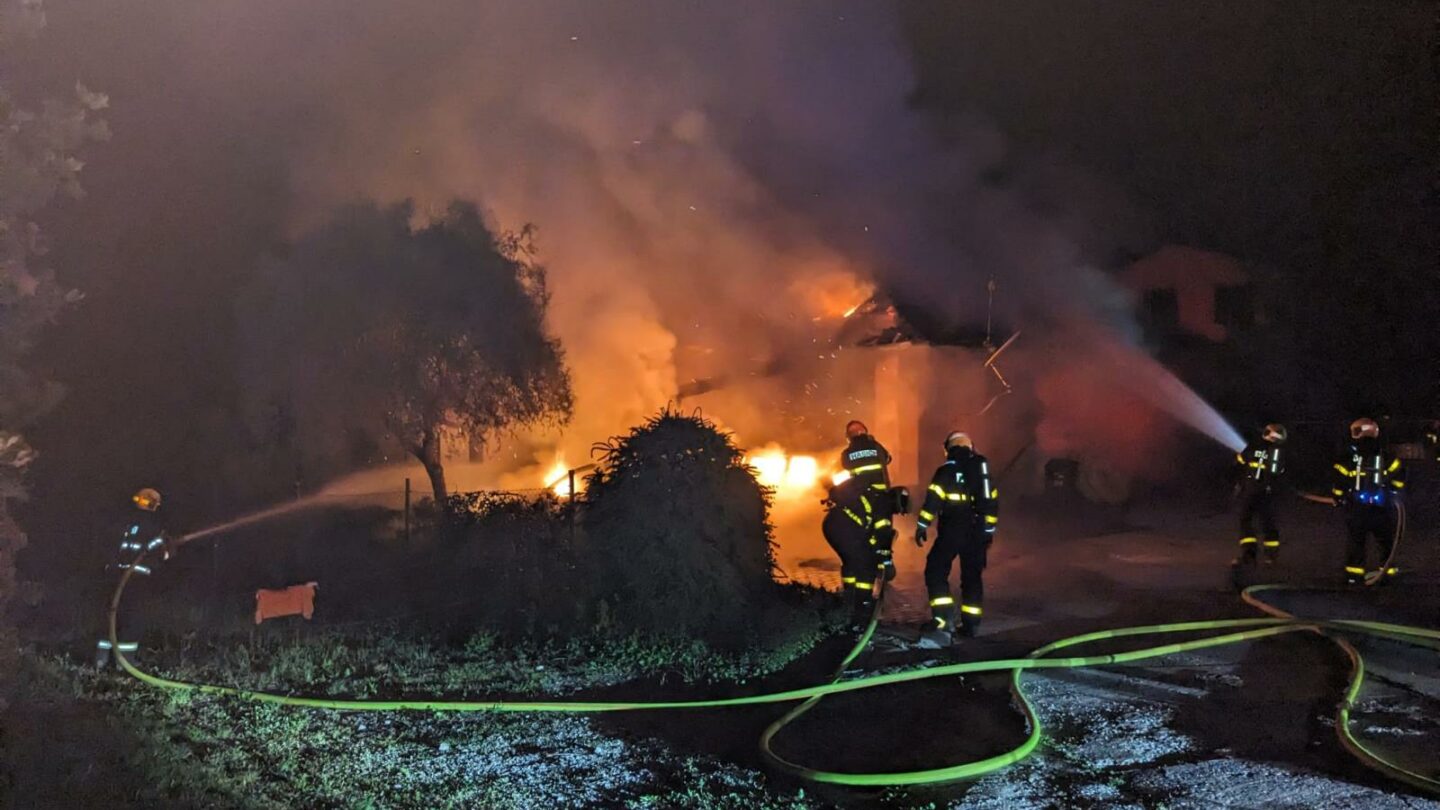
point(1364, 429)
point(959, 439)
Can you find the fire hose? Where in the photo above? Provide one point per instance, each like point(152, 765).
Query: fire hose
point(1377, 576)
point(1278, 623)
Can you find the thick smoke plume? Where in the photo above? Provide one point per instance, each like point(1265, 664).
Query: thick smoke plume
point(714, 185)
point(707, 181)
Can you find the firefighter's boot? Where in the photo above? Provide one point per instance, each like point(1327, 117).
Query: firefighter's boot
point(937, 633)
point(934, 636)
point(1271, 554)
point(862, 606)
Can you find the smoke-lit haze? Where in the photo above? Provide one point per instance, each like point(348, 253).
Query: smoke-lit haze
point(706, 182)
point(714, 186)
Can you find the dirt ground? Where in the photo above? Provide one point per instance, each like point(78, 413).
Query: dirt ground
point(1244, 726)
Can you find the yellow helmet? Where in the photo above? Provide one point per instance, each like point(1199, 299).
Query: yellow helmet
point(959, 439)
point(147, 499)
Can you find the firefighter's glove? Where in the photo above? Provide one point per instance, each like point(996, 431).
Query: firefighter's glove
point(920, 537)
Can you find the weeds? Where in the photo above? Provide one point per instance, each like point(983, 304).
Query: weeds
point(204, 750)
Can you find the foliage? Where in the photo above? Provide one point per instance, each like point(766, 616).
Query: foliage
point(38, 160)
point(199, 750)
point(517, 551)
point(402, 658)
point(679, 530)
point(371, 328)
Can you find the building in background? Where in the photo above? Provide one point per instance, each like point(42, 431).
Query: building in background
point(1187, 292)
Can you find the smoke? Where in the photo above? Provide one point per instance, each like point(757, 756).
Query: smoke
point(704, 179)
point(714, 184)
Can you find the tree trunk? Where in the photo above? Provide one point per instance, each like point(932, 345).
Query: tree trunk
point(429, 455)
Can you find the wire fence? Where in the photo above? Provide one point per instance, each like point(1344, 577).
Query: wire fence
point(378, 555)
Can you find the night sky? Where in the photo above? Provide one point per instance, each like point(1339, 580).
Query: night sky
point(1304, 136)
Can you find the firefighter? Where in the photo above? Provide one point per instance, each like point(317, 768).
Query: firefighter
point(848, 528)
point(1261, 467)
point(962, 498)
point(1368, 481)
point(141, 533)
point(1432, 438)
point(865, 470)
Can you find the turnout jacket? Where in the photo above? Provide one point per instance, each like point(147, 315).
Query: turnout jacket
point(142, 532)
point(1261, 463)
point(1367, 473)
point(961, 493)
point(868, 463)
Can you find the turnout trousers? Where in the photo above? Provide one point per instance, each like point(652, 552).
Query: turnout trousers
point(1257, 506)
point(1363, 521)
point(129, 624)
point(971, 544)
point(858, 560)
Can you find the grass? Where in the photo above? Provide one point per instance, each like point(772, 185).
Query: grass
point(390, 660)
point(198, 750)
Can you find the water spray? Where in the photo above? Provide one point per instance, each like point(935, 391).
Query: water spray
point(1147, 378)
point(343, 487)
point(254, 517)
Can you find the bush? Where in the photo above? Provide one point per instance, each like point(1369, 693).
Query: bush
point(514, 553)
point(679, 531)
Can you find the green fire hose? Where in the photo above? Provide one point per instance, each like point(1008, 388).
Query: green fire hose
point(1235, 630)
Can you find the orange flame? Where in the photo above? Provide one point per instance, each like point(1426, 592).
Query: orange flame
point(834, 293)
point(558, 478)
point(789, 475)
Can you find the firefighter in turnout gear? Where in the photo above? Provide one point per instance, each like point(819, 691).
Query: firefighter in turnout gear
point(1262, 464)
point(1368, 481)
point(141, 533)
point(865, 470)
point(1432, 439)
point(858, 523)
point(965, 502)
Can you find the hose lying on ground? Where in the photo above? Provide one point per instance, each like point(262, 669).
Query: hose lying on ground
point(1238, 630)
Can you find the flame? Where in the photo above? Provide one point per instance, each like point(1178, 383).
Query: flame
point(789, 475)
point(834, 293)
point(558, 478)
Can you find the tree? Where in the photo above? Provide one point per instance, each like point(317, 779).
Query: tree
point(371, 324)
point(37, 161)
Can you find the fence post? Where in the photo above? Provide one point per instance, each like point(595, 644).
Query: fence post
point(407, 511)
point(572, 507)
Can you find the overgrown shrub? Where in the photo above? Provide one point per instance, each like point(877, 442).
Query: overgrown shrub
point(679, 532)
point(511, 557)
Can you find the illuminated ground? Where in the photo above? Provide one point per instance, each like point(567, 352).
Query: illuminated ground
point(1245, 726)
